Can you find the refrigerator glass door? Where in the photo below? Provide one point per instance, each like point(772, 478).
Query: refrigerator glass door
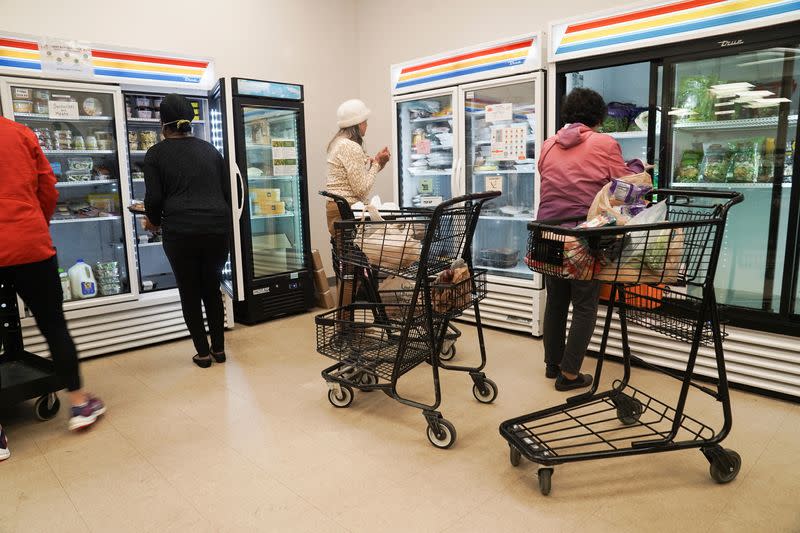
point(77, 130)
point(144, 130)
point(732, 122)
point(425, 138)
point(272, 148)
point(500, 142)
point(626, 91)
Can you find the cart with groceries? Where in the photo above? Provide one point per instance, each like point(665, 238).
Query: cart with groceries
point(407, 275)
point(660, 259)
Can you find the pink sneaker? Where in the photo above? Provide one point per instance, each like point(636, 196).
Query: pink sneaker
point(87, 414)
point(4, 451)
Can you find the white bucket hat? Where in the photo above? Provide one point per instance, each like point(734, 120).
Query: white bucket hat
point(352, 112)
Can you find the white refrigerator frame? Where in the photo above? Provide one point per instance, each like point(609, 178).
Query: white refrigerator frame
point(76, 307)
point(452, 92)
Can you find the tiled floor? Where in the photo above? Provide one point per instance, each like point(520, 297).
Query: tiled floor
point(254, 445)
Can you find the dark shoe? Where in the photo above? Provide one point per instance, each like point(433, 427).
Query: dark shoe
point(203, 361)
point(219, 357)
point(4, 452)
point(552, 371)
point(563, 383)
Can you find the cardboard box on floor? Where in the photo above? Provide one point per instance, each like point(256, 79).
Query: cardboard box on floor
point(322, 290)
point(326, 299)
point(316, 259)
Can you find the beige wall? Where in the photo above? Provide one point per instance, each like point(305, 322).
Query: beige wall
point(392, 31)
point(304, 41)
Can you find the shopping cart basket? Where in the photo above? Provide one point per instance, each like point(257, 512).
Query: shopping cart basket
point(376, 342)
point(676, 261)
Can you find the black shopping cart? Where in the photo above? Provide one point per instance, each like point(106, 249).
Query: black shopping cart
point(23, 375)
point(663, 279)
point(358, 283)
point(378, 341)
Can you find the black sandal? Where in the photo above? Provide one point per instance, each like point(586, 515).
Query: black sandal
point(219, 357)
point(203, 361)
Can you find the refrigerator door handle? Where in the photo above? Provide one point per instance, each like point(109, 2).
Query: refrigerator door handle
point(239, 192)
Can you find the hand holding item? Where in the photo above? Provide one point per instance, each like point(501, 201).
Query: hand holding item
point(149, 226)
point(382, 157)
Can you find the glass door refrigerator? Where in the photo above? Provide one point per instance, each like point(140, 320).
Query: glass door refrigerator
point(712, 104)
point(269, 274)
point(469, 121)
point(80, 128)
point(143, 122)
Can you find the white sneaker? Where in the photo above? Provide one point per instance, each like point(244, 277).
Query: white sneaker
point(5, 453)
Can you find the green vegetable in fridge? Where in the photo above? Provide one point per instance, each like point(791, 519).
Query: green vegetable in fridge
point(613, 124)
point(745, 160)
point(716, 163)
point(689, 168)
point(696, 98)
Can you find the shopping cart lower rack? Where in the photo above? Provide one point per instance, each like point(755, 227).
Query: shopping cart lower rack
point(377, 342)
point(676, 261)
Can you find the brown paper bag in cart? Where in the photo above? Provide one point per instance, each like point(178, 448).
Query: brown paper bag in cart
point(389, 246)
point(603, 203)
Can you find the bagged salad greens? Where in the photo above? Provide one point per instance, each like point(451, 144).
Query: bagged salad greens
point(689, 168)
point(694, 96)
point(745, 160)
point(716, 161)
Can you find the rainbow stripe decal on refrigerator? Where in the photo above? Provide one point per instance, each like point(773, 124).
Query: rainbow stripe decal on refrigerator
point(19, 55)
point(22, 55)
point(457, 67)
point(664, 23)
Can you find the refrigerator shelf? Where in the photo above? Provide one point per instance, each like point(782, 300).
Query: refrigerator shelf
point(66, 184)
point(628, 134)
point(150, 244)
point(46, 118)
point(138, 152)
point(746, 123)
point(730, 185)
point(138, 180)
point(262, 217)
point(519, 269)
point(485, 142)
point(484, 172)
point(445, 172)
point(272, 178)
point(87, 219)
point(431, 119)
point(258, 146)
point(78, 152)
point(148, 121)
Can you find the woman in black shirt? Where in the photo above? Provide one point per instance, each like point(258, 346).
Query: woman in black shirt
point(188, 196)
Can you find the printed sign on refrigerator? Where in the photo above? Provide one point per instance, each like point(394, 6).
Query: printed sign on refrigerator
point(66, 57)
point(509, 143)
point(284, 157)
point(499, 113)
point(62, 110)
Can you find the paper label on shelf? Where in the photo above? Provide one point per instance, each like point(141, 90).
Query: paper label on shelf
point(423, 147)
point(63, 110)
point(499, 112)
point(493, 183)
point(509, 143)
point(66, 57)
point(425, 186)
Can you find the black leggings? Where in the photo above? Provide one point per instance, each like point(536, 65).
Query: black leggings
point(197, 263)
point(40, 288)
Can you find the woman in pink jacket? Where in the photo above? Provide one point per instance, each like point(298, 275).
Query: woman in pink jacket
point(574, 165)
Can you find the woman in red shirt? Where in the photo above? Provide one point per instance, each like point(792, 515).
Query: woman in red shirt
point(27, 258)
point(574, 165)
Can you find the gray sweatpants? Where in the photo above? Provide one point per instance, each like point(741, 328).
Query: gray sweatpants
point(560, 348)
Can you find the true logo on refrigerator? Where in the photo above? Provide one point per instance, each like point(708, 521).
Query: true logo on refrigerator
point(726, 43)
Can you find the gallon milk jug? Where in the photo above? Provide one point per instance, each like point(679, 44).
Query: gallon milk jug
point(66, 287)
point(81, 279)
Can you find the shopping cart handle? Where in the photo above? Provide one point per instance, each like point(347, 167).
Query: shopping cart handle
point(735, 197)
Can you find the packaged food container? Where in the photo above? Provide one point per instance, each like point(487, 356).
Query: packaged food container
point(80, 163)
point(41, 107)
point(23, 106)
point(78, 143)
point(144, 101)
point(132, 146)
point(78, 176)
point(92, 107)
point(41, 94)
point(105, 144)
point(91, 142)
point(22, 93)
point(499, 257)
point(142, 112)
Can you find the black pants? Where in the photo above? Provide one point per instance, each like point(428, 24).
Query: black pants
point(40, 288)
point(197, 263)
point(560, 348)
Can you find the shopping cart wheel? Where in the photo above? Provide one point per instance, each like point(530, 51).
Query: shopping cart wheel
point(545, 480)
point(341, 398)
point(485, 391)
point(515, 455)
point(449, 353)
point(444, 436)
point(629, 410)
point(47, 407)
point(369, 380)
point(725, 465)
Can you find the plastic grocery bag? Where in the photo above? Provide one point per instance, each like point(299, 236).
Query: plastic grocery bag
point(605, 203)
